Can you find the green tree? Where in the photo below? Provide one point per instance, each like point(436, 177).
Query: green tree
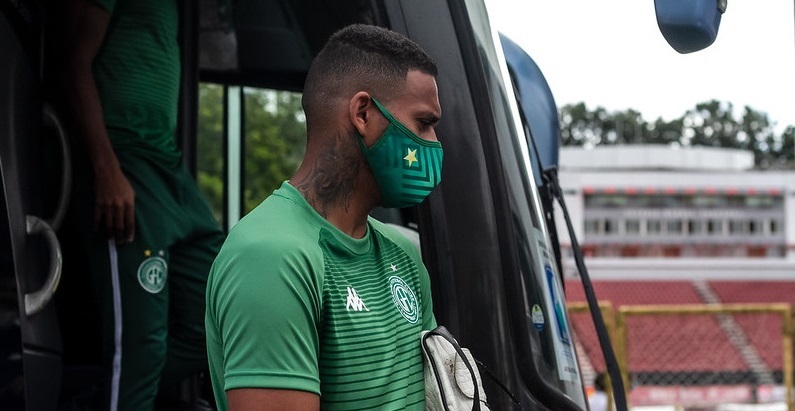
point(761, 138)
point(712, 123)
point(665, 132)
point(782, 152)
point(627, 127)
point(580, 126)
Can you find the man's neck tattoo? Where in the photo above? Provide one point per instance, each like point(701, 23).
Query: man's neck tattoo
point(332, 178)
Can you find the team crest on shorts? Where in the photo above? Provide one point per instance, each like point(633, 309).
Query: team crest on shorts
point(404, 299)
point(152, 274)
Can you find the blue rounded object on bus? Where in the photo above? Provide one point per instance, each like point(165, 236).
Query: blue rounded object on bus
point(689, 25)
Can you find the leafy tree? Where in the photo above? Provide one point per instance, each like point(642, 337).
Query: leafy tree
point(760, 135)
point(579, 126)
point(665, 132)
point(783, 150)
point(627, 127)
point(712, 123)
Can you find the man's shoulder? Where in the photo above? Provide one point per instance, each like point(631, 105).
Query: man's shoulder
point(274, 230)
point(406, 238)
point(271, 220)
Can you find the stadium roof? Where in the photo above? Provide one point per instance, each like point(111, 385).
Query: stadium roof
point(656, 157)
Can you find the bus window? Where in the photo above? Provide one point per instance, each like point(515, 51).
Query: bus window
point(210, 146)
point(274, 141)
point(249, 141)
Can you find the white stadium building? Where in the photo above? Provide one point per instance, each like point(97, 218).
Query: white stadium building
point(657, 212)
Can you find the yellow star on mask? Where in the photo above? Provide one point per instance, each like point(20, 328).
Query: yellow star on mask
point(147, 253)
point(411, 157)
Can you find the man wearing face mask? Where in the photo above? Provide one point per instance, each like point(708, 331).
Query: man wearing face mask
point(311, 304)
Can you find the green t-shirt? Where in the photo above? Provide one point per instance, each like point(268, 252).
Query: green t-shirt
point(137, 72)
point(294, 303)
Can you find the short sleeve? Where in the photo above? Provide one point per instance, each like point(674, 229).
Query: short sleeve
point(264, 304)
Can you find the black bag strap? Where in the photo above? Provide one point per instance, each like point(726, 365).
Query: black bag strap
point(441, 331)
point(488, 373)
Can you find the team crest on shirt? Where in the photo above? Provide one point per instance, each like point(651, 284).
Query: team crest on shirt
point(152, 274)
point(404, 299)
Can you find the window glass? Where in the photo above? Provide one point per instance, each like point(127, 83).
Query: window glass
point(275, 139)
point(591, 226)
point(759, 201)
point(674, 227)
point(273, 134)
point(632, 226)
point(653, 226)
point(611, 226)
point(707, 201)
point(736, 201)
point(714, 227)
point(664, 201)
point(737, 227)
point(607, 201)
point(754, 227)
point(210, 146)
point(775, 226)
point(694, 227)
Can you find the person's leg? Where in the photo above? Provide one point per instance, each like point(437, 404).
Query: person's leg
point(140, 292)
point(131, 291)
point(191, 258)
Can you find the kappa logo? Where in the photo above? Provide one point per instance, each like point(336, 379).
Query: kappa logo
point(404, 299)
point(152, 274)
point(355, 302)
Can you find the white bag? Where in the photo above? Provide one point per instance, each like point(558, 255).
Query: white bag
point(452, 379)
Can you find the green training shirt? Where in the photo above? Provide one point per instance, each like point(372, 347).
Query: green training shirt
point(137, 72)
point(294, 303)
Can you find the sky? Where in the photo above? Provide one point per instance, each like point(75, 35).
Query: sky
point(610, 53)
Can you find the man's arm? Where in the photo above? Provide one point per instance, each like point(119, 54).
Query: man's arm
point(114, 196)
point(260, 399)
point(263, 307)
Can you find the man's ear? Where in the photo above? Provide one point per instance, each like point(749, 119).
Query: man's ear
point(360, 112)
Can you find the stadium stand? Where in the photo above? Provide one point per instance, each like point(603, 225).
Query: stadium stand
point(668, 349)
point(763, 331)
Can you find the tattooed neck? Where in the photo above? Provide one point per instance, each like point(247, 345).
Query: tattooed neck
point(331, 180)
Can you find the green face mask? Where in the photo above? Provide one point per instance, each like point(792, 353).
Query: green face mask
point(406, 167)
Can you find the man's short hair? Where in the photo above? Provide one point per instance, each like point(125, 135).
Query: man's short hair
point(361, 57)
